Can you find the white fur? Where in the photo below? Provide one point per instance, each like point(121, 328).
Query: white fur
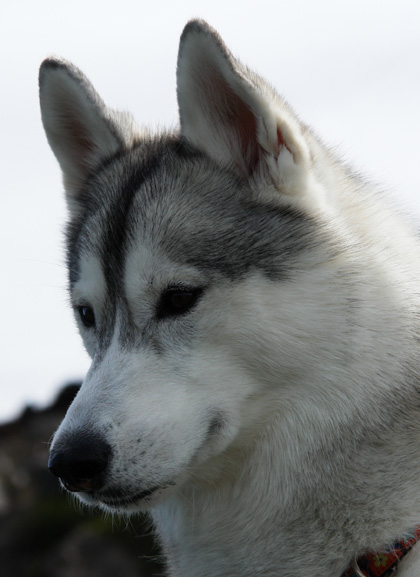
point(280, 418)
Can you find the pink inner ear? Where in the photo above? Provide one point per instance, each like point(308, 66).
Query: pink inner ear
point(236, 117)
point(281, 142)
point(247, 132)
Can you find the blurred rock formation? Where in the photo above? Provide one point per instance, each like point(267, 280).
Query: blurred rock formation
point(43, 531)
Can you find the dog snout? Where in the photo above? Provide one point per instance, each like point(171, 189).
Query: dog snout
point(80, 461)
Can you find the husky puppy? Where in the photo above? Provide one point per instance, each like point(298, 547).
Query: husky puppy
point(252, 310)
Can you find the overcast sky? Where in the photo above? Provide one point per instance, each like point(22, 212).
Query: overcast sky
point(350, 69)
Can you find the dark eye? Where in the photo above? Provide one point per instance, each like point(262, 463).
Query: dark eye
point(176, 301)
point(87, 316)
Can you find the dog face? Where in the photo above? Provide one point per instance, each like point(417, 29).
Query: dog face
point(172, 282)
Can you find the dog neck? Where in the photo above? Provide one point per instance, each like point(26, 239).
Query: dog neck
point(260, 516)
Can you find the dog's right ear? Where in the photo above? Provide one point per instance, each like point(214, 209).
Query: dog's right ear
point(79, 127)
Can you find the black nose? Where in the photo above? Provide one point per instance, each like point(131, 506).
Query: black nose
point(80, 461)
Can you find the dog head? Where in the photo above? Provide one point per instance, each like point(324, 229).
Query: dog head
point(177, 243)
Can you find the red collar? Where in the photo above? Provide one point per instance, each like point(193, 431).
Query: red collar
point(382, 563)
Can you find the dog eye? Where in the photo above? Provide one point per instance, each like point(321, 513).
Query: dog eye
point(87, 315)
point(176, 301)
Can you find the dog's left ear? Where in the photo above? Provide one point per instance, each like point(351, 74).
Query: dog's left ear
point(229, 112)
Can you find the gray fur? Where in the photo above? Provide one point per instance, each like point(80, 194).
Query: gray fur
point(271, 429)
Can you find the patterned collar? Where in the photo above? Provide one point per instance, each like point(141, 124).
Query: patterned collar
point(383, 563)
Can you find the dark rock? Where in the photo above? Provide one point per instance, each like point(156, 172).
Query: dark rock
point(43, 532)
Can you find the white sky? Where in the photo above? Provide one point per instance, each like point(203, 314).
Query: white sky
point(350, 69)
